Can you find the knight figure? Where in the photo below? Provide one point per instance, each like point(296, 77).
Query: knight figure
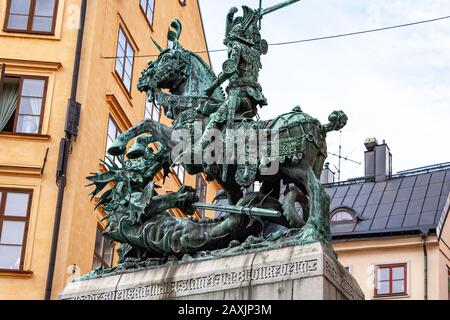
point(243, 40)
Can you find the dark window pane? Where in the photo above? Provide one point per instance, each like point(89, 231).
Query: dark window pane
point(119, 67)
point(16, 204)
point(128, 67)
point(124, 59)
point(150, 16)
point(398, 286)
point(17, 22)
point(20, 6)
point(398, 273)
point(130, 52)
point(112, 129)
point(28, 124)
point(30, 106)
point(151, 4)
point(99, 242)
point(143, 4)
point(122, 39)
point(180, 173)
point(127, 82)
point(42, 24)
point(44, 8)
point(12, 232)
point(383, 287)
point(108, 252)
point(33, 88)
point(152, 111)
point(109, 143)
point(156, 113)
point(148, 109)
point(10, 257)
point(383, 274)
point(341, 216)
point(96, 263)
point(120, 52)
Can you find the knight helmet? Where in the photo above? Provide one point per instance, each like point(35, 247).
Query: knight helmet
point(243, 28)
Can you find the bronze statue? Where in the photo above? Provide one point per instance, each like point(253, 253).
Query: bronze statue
point(192, 99)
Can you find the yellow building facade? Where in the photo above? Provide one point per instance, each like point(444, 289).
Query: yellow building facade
point(39, 42)
point(362, 257)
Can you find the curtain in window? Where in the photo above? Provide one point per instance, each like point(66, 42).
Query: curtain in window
point(8, 103)
point(29, 115)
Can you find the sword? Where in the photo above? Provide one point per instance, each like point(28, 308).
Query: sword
point(247, 211)
point(230, 121)
point(260, 9)
point(276, 7)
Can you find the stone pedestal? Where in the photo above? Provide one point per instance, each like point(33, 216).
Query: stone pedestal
point(307, 272)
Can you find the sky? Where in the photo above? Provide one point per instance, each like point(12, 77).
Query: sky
point(393, 85)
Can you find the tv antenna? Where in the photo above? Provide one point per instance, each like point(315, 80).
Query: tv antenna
point(340, 157)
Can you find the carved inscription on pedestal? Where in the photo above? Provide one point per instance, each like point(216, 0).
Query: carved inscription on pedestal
point(209, 283)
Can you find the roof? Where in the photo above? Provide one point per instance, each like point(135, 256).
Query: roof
point(408, 202)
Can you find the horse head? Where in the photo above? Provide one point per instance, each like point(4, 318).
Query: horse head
point(170, 69)
point(181, 71)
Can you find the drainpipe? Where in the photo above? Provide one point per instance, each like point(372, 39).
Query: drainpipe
point(71, 131)
point(424, 235)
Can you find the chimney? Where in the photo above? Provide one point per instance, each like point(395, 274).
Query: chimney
point(377, 160)
point(327, 175)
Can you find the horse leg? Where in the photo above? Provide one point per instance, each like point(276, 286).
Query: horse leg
point(319, 204)
point(316, 212)
point(158, 131)
point(290, 211)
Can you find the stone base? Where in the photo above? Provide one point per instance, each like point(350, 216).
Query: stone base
point(307, 272)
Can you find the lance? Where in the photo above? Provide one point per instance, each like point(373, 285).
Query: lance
point(247, 211)
point(263, 12)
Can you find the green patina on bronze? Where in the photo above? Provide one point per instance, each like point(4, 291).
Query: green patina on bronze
point(139, 218)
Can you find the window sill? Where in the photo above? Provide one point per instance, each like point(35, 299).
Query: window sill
point(24, 136)
point(29, 35)
point(391, 296)
point(15, 274)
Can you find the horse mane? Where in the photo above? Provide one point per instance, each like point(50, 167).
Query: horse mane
point(212, 76)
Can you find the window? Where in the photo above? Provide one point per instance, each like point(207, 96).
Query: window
point(103, 252)
point(14, 216)
point(180, 172)
point(390, 280)
point(31, 16)
point(152, 111)
point(22, 103)
point(342, 216)
point(200, 186)
point(124, 60)
point(448, 283)
point(148, 8)
point(113, 133)
point(170, 44)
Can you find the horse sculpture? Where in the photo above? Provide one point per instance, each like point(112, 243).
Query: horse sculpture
point(184, 77)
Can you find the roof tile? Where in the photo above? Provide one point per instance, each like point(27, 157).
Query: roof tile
point(404, 202)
